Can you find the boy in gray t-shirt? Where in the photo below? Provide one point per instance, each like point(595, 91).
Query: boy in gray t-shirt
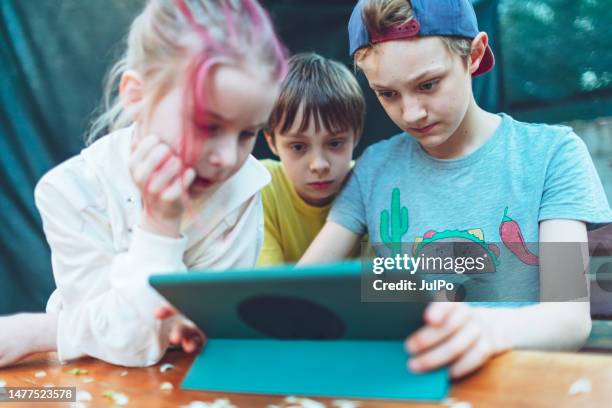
point(522, 175)
point(462, 174)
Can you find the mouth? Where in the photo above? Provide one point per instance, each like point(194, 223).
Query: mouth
point(424, 130)
point(202, 182)
point(321, 185)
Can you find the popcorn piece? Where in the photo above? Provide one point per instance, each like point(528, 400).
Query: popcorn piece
point(166, 386)
point(165, 367)
point(448, 401)
point(304, 402)
point(123, 374)
point(222, 403)
point(580, 386)
point(40, 374)
point(83, 396)
point(196, 404)
point(120, 399)
point(218, 403)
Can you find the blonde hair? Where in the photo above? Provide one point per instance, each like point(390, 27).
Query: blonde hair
point(174, 38)
point(380, 15)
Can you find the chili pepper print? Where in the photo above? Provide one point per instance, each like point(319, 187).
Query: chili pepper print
point(512, 237)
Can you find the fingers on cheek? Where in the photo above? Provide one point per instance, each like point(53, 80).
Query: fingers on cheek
point(173, 192)
point(164, 175)
point(147, 166)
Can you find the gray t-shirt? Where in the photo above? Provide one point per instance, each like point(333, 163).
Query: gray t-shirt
point(523, 174)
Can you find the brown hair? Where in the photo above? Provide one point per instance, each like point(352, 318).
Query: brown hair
point(325, 90)
point(380, 15)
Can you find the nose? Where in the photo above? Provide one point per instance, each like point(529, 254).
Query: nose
point(319, 164)
point(413, 111)
point(223, 151)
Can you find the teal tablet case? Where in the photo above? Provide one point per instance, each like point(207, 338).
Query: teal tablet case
point(300, 331)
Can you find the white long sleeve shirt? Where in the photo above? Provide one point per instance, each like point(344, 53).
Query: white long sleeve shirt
point(101, 259)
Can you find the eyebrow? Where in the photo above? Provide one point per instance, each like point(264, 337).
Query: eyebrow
point(294, 135)
point(301, 136)
point(416, 78)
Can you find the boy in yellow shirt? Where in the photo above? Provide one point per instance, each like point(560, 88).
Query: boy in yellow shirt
point(314, 127)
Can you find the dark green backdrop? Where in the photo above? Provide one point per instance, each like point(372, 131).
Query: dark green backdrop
point(53, 56)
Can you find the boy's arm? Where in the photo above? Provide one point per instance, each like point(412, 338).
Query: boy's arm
point(553, 325)
point(466, 337)
point(333, 243)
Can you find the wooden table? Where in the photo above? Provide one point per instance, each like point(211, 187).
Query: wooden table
point(514, 379)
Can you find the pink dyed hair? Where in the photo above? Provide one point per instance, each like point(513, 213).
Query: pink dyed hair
point(208, 33)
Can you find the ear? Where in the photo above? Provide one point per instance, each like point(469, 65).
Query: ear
point(131, 92)
point(479, 46)
point(270, 140)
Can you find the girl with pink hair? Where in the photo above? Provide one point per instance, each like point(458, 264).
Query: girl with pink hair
point(171, 187)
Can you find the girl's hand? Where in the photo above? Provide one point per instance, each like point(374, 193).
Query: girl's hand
point(188, 336)
point(184, 332)
point(454, 335)
point(163, 182)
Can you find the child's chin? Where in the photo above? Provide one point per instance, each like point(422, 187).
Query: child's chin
point(321, 199)
point(195, 192)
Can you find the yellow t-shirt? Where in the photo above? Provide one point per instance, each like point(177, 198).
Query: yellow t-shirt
point(290, 224)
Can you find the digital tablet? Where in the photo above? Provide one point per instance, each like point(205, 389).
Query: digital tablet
point(315, 302)
point(300, 331)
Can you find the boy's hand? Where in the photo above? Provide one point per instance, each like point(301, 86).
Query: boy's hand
point(453, 335)
point(163, 182)
point(183, 333)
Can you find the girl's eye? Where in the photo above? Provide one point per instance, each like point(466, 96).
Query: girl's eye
point(429, 86)
point(297, 147)
point(386, 94)
point(208, 128)
point(336, 144)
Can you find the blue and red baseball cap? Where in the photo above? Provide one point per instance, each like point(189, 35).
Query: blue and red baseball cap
point(454, 18)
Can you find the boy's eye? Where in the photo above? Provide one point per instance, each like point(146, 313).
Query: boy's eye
point(336, 144)
point(297, 147)
point(429, 85)
point(386, 94)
